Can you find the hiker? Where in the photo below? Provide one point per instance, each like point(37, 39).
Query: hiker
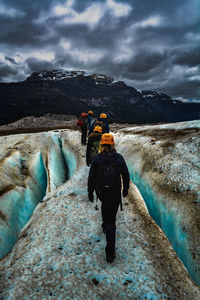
point(105, 178)
point(90, 115)
point(83, 123)
point(93, 144)
point(102, 122)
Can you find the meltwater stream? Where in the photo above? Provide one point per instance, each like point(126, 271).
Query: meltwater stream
point(48, 169)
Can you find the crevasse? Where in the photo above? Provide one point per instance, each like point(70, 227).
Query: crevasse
point(169, 221)
point(48, 169)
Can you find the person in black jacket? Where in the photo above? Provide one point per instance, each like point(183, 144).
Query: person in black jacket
point(93, 144)
point(90, 115)
point(102, 122)
point(105, 174)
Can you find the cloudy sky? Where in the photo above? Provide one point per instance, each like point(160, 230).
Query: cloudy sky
point(149, 44)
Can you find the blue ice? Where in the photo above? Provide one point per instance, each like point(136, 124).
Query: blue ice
point(18, 204)
point(70, 160)
point(169, 221)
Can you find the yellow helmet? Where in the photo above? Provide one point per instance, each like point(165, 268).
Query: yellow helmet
point(98, 129)
point(103, 116)
point(107, 138)
point(90, 112)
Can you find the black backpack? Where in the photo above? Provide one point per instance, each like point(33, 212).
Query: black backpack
point(101, 124)
point(106, 178)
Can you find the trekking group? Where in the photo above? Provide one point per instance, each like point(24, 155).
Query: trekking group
point(108, 174)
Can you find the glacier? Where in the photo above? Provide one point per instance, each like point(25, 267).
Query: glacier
point(42, 170)
point(59, 251)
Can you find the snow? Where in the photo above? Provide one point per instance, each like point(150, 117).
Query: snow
point(60, 251)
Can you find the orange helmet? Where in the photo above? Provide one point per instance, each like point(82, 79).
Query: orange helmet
point(103, 116)
point(107, 138)
point(90, 112)
point(98, 129)
point(84, 115)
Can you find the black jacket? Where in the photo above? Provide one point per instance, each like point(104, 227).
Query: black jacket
point(93, 137)
point(121, 170)
point(105, 127)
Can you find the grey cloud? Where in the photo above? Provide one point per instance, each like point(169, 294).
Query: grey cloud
point(188, 56)
point(155, 49)
point(190, 89)
point(35, 65)
point(7, 71)
point(11, 60)
point(144, 61)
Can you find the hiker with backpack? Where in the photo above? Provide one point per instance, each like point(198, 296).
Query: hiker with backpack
point(93, 144)
point(102, 122)
point(90, 115)
point(83, 124)
point(106, 171)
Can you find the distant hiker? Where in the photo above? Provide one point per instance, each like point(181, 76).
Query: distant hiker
point(90, 115)
point(102, 122)
point(93, 144)
point(106, 171)
point(83, 123)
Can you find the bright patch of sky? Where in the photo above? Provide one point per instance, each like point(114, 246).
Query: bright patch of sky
point(193, 37)
point(92, 14)
point(119, 9)
point(85, 55)
point(124, 50)
point(11, 12)
point(152, 21)
point(65, 44)
point(41, 55)
point(194, 78)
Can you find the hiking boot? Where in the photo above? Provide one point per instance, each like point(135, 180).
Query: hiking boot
point(110, 258)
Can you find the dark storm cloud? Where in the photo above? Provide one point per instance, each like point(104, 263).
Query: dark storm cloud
point(36, 65)
point(188, 56)
point(11, 60)
point(178, 88)
point(6, 71)
point(147, 43)
point(143, 62)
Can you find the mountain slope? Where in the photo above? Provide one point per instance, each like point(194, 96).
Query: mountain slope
point(70, 93)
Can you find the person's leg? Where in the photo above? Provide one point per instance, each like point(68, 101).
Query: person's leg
point(109, 211)
point(111, 230)
point(103, 214)
point(84, 135)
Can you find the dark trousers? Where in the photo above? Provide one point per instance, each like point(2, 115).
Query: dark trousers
point(109, 207)
point(83, 135)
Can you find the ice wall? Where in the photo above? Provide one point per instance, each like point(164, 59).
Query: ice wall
point(27, 179)
point(169, 220)
point(170, 200)
point(17, 204)
point(70, 158)
point(55, 163)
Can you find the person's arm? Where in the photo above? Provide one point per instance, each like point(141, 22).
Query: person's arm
point(88, 150)
point(107, 127)
point(92, 180)
point(89, 121)
point(91, 127)
point(125, 177)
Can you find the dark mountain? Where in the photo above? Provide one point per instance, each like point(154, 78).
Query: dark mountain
point(72, 92)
